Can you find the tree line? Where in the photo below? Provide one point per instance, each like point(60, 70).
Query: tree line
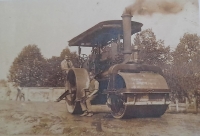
point(181, 67)
point(31, 69)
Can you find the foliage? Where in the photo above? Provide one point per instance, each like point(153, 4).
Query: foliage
point(27, 67)
point(152, 51)
point(186, 63)
point(53, 74)
point(30, 69)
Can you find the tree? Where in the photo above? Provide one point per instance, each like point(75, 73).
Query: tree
point(186, 63)
point(53, 74)
point(30, 69)
point(152, 51)
point(27, 67)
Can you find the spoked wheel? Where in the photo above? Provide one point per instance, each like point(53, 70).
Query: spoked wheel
point(117, 106)
point(72, 105)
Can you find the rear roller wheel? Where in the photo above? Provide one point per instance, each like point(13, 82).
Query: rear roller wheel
point(72, 106)
point(75, 86)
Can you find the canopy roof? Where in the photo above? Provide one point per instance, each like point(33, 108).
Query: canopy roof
point(103, 33)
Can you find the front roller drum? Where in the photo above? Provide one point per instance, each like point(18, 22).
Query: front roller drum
point(139, 111)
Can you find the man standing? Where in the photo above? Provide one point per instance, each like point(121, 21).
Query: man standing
point(66, 64)
point(8, 91)
point(22, 96)
point(93, 89)
point(19, 91)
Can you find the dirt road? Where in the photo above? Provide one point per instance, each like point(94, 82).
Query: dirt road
point(48, 118)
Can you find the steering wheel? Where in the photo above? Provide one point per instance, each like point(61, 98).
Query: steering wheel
point(83, 57)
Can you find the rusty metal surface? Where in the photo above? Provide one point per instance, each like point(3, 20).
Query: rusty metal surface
point(102, 33)
point(145, 110)
point(128, 111)
point(126, 91)
point(129, 69)
point(144, 80)
point(136, 67)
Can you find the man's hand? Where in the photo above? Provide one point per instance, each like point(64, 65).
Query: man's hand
point(85, 89)
point(89, 96)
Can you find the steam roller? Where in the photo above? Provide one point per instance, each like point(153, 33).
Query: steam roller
point(127, 87)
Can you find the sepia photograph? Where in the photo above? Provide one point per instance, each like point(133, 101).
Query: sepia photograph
point(100, 67)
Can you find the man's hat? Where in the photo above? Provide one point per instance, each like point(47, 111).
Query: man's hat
point(67, 57)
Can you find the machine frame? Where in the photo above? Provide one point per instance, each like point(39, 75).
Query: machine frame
point(128, 88)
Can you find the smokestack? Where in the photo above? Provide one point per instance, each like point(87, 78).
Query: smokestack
point(126, 36)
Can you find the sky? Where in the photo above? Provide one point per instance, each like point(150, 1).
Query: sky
point(50, 24)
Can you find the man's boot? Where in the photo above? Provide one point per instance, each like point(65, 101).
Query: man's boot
point(84, 114)
point(90, 114)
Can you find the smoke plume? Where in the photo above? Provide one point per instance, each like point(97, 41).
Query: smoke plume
point(149, 7)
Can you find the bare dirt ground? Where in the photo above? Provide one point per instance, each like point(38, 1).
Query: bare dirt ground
point(49, 118)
